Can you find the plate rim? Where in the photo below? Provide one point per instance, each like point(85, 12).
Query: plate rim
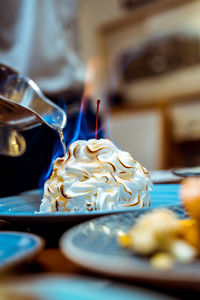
point(68, 216)
point(19, 258)
point(72, 252)
point(186, 173)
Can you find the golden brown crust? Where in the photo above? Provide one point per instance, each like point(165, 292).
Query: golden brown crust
point(133, 204)
point(106, 178)
point(59, 161)
point(114, 169)
point(63, 193)
point(93, 151)
point(75, 151)
point(127, 167)
point(144, 170)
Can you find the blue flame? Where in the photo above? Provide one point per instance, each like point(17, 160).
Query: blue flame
point(57, 152)
point(79, 127)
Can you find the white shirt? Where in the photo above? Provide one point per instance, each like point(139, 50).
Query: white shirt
point(40, 39)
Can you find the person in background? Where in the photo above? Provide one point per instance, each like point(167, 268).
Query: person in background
point(40, 38)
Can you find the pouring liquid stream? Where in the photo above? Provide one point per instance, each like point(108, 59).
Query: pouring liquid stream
point(61, 135)
point(62, 140)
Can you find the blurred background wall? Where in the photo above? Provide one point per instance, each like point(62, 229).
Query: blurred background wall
point(146, 65)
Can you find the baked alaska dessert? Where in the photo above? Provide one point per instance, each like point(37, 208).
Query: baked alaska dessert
point(96, 175)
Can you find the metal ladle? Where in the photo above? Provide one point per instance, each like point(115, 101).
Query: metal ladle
point(23, 106)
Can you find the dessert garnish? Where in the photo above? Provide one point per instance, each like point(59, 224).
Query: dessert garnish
point(97, 114)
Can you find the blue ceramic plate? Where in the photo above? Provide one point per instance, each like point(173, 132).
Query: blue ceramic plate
point(76, 288)
point(24, 207)
point(94, 245)
point(16, 248)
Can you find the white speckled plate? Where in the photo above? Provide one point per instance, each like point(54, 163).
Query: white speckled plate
point(24, 207)
point(16, 247)
point(94, 245)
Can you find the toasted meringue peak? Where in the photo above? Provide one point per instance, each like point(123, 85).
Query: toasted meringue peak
point(96, 175)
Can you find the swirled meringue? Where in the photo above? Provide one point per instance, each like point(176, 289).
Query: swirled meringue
point(96, 175)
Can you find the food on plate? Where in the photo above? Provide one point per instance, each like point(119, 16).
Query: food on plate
point(162, 236)
point(162, 260)
point(96, 175)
